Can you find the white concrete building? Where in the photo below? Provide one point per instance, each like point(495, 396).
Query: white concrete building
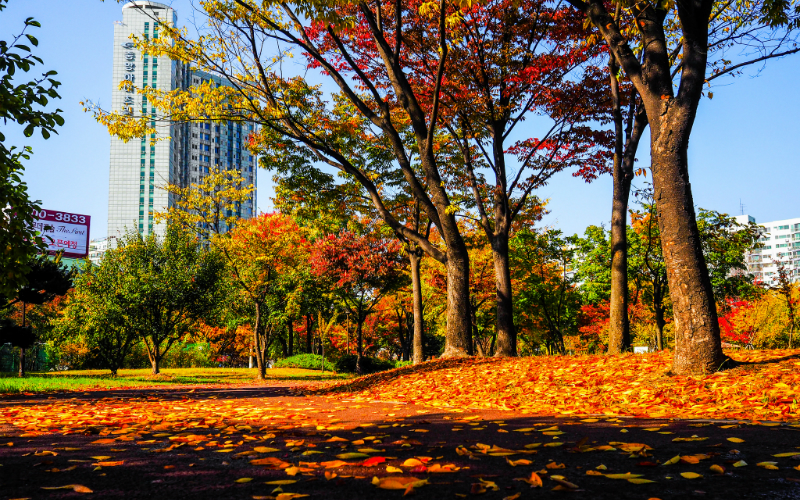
point(139, 170)
point(780, 243)
point(97, 248)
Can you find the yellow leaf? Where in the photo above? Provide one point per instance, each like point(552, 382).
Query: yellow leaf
point(393, 470)
point(525, 429)
point(244, 480)
point(637, 480)
point(412, 462)
point(673, 460)
point(718, 469)
point(790, 454)
point(740, 463)
point(627, 475)
point(347, 456)
point(264, 449)
point(736, 440)
point(690, 475)
point(282, 482)
point(768, 465)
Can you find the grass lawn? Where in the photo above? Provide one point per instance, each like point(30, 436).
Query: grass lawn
point(102, 379)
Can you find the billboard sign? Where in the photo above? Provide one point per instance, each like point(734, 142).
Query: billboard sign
point(64, 231)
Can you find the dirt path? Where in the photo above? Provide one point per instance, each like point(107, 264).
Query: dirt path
point(175, 443)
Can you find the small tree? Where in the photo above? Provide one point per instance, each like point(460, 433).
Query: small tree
point(545, 269)
point(786, 290)
point(45, 280)
point(364, 269)
point(96, 312)
point(166, 285)
point(211, 207)
point(264, 255)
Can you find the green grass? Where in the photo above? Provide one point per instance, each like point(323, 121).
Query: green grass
point(102, 379)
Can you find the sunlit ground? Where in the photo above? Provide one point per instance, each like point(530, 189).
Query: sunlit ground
point(102, 379)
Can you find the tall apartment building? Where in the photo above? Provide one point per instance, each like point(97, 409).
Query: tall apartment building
point(780, 243)
point(139, 170)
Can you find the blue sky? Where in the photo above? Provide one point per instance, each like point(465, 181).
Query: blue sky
point(745, 144)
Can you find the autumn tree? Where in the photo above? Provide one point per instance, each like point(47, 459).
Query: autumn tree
point(358, 48)
point(671, 108)
point(23, 103)
point(363, 270)
point(211, 207)
point(263, 254)
point(516, 61)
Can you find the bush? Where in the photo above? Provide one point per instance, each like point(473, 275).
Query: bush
point(307, 361)
point(347, 364)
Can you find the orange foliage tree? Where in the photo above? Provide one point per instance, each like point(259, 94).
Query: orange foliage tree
point(265, 255)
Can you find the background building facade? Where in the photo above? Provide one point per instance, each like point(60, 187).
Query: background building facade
point(780, 243)
point(139, 170)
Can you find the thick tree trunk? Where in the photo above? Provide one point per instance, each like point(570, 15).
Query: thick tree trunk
point(154, 365)
point(697, 340)
point(619, 339)
point(506, 333)
point(458, 336)
point(416, 301)
point(21, 362)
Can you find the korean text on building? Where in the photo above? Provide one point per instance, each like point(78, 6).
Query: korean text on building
point(64, 231)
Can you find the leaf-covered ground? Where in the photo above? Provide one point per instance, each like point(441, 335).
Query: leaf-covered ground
point(281, 442)
point(764, 386)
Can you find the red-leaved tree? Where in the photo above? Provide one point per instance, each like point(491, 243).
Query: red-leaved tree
point(364, 269)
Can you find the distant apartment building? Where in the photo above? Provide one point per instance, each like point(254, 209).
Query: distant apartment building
point(780, 243)
point(97, 249)
point(139, 170)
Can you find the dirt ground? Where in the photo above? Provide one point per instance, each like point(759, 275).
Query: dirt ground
point(478, 453)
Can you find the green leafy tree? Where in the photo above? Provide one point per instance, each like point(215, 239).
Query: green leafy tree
point(45, 280)
point(96, 312)
point(548, 299)
point(21, 103)
point(166, 285)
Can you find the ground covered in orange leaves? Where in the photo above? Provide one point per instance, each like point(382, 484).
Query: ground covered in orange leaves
point(418, 431)
point(764, 386)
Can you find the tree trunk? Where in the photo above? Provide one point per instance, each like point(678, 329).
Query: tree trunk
point(416, 301)
point(21, 350)
point(458, 336)
point(506, 333)
point(476, 347)
point(359, 346)
point(290, 340)
point(697, 339)
point(619, 339)
point(401, 334)
point(257, 342)
point(154, 365)
point(308, 333)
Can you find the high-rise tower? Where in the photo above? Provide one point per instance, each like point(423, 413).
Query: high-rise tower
point(139, 170)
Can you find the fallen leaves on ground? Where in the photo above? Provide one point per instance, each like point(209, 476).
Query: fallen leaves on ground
point(632, 385)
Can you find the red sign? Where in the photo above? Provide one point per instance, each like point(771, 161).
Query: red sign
point(64, 231)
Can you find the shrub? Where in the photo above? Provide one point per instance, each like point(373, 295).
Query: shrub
point(347, 364)
point(307, 361)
